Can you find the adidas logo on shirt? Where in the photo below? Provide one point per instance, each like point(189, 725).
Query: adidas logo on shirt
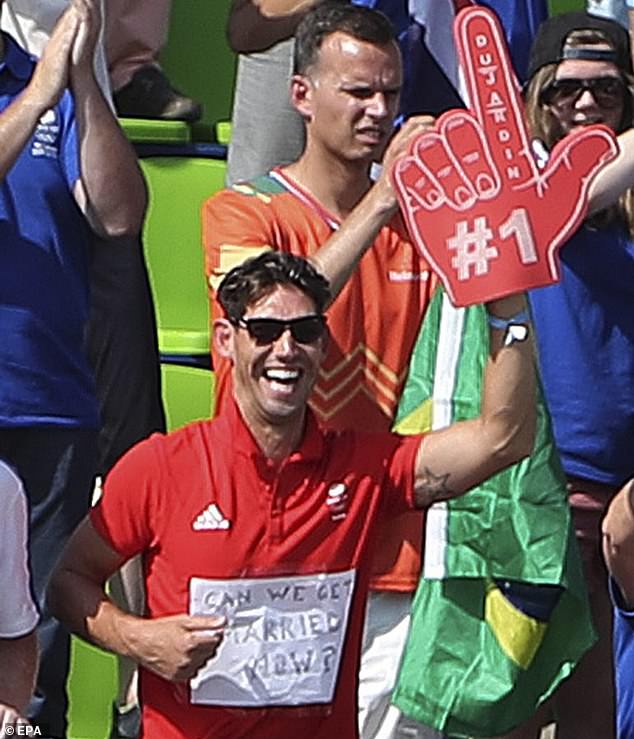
point(211, 519)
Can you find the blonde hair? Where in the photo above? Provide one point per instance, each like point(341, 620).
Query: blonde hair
point(543, 124)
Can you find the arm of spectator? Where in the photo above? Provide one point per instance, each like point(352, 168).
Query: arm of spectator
point(174, 647)
point(503, 434)
point(235, 224)
point(18, 657)
point(49, 80)
point(338, 258)
point(256, 25)
point(614, 178)
point(618, 541)
point(111, 190)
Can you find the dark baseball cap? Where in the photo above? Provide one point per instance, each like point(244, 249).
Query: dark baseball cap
point(550, 42)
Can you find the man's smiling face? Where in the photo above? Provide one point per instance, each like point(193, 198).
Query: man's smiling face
point(272, 381)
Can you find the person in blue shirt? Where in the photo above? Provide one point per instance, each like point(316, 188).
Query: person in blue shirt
point(66, 172)
point(618, 550)
point(581, 74)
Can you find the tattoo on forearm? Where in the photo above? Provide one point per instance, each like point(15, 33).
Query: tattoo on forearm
point(431, 487)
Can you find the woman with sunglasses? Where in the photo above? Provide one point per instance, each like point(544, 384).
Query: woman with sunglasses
point(580, 74)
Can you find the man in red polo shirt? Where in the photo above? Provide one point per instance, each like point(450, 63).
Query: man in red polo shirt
point(256, 528)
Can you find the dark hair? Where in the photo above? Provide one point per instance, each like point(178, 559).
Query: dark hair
point(259, 276)
point(332, 16)
point(551, 43)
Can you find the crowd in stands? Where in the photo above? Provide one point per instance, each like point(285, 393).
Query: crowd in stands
point(296, 516)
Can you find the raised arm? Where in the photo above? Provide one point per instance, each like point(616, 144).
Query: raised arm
point(256, 25)
point(618, 541)
point(237, 225)
point(452, 461)
point(338, 258)
point(18, 121)
point(174, 647)
point(111, 190)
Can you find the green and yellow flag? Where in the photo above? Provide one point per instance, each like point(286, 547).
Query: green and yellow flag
point(501, 615)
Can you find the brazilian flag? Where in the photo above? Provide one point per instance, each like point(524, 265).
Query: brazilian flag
point(501, 615)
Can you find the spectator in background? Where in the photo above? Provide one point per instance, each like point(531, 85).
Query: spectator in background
point(581, 74)
point(135, 31)
point(121, 333)
point(68, 172)
point(266, 129)
point(618, 549)
point(18, 614)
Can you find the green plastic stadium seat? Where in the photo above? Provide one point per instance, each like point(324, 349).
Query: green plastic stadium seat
point(188, 394)
point(92, 688)
point(178, 187)
point(145, 131)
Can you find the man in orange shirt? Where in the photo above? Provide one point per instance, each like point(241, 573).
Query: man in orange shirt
point(324, 206)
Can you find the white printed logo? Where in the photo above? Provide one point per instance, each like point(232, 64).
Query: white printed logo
point(46, 136)
point(48, 117)
point(211, 519)
point(405, 275)
point(337, 501)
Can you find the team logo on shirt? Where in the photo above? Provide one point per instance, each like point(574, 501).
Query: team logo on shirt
point(211, 519)
point(337, 501)
point(45, 138)
point(407, 275)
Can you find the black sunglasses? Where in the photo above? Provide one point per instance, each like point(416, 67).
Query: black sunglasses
point(304, 330)
point(607, 91)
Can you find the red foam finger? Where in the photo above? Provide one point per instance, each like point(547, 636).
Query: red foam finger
point(415, 196)
point(434, 154)
point(573, 163)
point(439, 165)
point(582, 153)
point(466, 143)
point(493, 91)
point(416, 184)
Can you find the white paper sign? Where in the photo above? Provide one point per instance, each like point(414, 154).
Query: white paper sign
point(283, 642)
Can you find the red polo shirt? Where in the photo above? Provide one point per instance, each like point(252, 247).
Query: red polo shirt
point(204, 502)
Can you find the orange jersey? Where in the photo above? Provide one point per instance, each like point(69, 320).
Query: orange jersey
point(374, 323)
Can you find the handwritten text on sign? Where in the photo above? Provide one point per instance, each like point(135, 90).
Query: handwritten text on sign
point(283, 642)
